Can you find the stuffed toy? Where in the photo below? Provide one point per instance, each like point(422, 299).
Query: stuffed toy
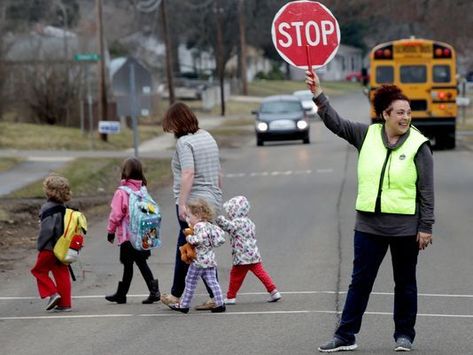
point(187, 250)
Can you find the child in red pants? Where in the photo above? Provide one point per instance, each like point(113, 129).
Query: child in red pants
point(246, 256)
point(52, 212)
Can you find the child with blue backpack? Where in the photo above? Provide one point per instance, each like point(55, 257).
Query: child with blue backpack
point(133, 181)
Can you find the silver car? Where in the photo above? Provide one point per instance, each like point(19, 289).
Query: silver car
point(281, 117)
point(306, 98)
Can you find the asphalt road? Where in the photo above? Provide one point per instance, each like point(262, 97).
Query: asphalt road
point(302, 200)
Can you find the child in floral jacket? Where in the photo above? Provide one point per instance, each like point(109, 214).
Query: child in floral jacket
point(206, 237)
point(246, 256)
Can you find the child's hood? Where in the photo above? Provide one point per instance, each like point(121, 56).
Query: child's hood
point(132, 184)
point(237, 206)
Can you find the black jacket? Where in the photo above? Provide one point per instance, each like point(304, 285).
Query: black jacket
point(51, 227)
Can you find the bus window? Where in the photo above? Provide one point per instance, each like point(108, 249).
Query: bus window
point(441, 74)
point(413, 74)
point(384, 74)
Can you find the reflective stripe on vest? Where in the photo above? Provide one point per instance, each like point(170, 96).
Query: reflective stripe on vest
point(398, 189)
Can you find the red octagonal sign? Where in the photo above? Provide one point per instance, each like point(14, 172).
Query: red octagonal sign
point(305, 28)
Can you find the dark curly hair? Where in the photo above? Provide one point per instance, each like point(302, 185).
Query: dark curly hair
point(384, 96)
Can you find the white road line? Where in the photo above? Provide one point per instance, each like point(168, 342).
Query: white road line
point(275, 173)
point(13, 298)
point(230, 313)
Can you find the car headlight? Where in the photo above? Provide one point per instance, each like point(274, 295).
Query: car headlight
point(262, 126)
point(302, 124)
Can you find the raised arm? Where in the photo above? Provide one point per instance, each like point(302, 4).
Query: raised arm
point(353, 132)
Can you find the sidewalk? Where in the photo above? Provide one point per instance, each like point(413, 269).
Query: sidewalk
point(38, 163)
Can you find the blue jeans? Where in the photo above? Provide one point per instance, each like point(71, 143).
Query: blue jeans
point(180, 267)
point(369, 253)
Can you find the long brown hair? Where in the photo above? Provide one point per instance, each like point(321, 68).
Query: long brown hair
point(132, 169)
point(180, 120)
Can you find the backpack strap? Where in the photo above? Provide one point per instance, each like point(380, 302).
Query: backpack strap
point(128, 190)
point(68, 223)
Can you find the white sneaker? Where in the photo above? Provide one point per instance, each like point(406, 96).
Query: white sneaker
point(275, 296)
point(229, 301)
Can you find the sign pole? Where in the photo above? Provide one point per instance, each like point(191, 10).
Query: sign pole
point(309, 65)
point(134, 118)
point(89, 106)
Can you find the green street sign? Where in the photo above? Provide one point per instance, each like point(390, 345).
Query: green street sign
point(87, 57)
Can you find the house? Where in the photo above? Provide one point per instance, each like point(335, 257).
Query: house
point(347, 60)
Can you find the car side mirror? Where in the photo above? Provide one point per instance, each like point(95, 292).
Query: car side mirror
point(254, 112)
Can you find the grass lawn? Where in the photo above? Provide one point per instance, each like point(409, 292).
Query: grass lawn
point(100, 176)
point(276, 87)
point(34, 136)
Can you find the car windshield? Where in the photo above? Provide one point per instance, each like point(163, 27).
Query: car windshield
point(305, 95)
point(280, 107)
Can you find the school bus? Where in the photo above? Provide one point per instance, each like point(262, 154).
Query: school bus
point(425, 70)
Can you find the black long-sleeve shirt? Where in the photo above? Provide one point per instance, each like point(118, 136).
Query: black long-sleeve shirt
point(383, 223)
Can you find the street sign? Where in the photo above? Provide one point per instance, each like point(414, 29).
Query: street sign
point(87, 57)
point(109, 127)
point(305, 28)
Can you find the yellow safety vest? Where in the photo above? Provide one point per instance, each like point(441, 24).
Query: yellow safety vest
point(396, 168)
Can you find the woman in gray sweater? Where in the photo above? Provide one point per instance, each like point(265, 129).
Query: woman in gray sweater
point(394, 209)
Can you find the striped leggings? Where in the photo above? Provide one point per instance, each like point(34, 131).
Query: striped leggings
point(210, 277)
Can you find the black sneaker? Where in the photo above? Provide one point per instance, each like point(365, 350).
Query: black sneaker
point(177, 307)
point(337, 344)
point(53, 301)
point(218, 309)
point(403, 344)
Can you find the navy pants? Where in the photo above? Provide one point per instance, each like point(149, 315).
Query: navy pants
point(369, 253)
point(180, 267)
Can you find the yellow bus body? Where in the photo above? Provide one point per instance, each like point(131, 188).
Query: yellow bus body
point(425, 70)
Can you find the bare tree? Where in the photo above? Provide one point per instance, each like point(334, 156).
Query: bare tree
point(50, 95)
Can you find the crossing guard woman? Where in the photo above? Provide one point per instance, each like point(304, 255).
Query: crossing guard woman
point(395, 209)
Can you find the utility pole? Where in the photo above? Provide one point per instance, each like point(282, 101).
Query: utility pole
point(167, 43)
point(244, 82)
point(102, 85)
point(220, 63)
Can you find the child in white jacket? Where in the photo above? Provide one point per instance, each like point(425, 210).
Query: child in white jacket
point(246, 256)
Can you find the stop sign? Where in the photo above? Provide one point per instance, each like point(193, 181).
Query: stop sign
point(302, 28)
